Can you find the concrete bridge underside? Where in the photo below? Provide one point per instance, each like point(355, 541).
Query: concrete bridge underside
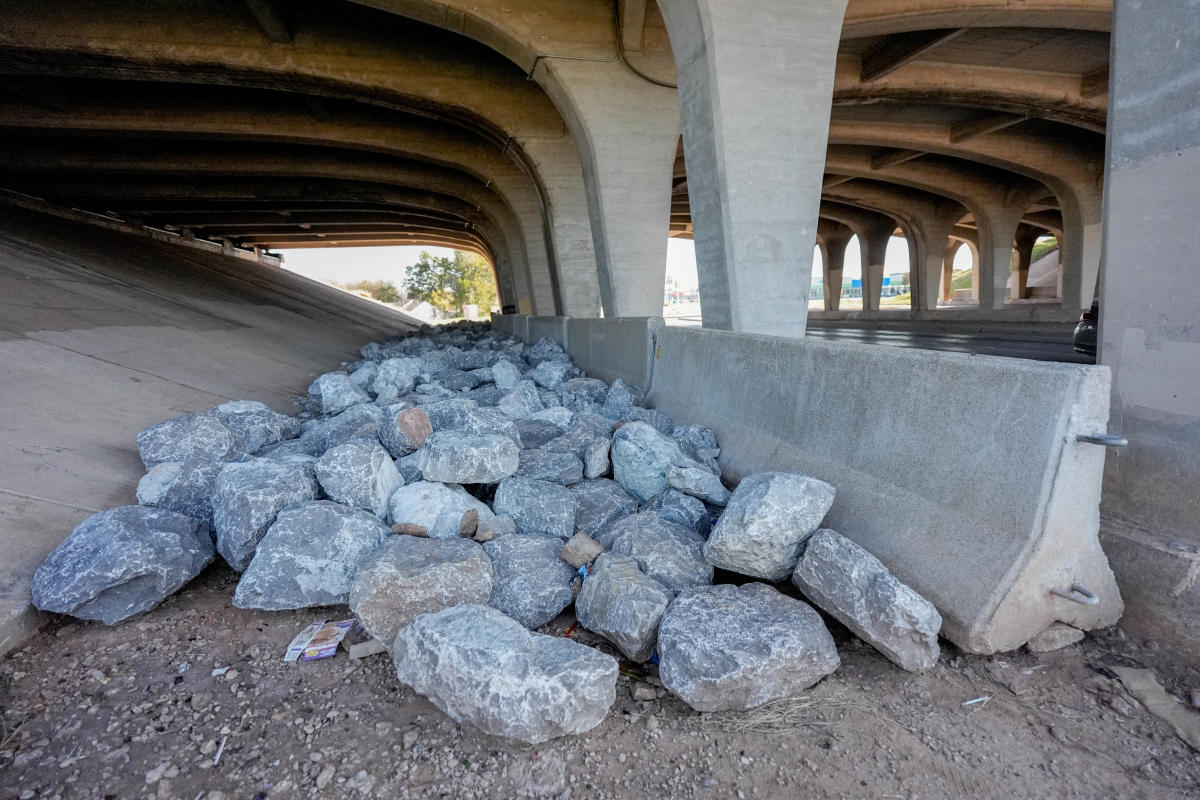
point(566, 142)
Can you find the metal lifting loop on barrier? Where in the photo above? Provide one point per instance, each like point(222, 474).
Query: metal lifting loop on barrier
point(1102, 439)
point(1078, 594)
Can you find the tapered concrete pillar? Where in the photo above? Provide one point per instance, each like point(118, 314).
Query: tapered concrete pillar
point(628, 132)
point(997, 229)
point(931, 254)
point(1150, 316)
point(948, 269)
point(873, 243)
point(834, 239)
point(755, 88)
point(1022, 256)
point(1081, 259)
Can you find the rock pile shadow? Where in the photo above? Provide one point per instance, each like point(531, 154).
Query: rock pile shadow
point(459, 489)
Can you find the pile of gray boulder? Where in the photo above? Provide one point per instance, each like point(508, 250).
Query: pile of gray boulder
point(458, 490)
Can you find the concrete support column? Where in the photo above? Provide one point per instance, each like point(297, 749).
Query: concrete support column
point(997, 229)
point(1083, 233)
point(872, 243)
point(1059, 288)
point(931, 253)
point(1150, 315)
point(755, 90)
point(627, 131)
point(1026, 238)
point(833, 261)
point(948, 269)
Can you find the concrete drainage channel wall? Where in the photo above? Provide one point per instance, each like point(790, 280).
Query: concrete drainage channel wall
point(961, 473)
point(104, 333)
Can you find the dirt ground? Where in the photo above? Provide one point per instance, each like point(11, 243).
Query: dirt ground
point(134, 711)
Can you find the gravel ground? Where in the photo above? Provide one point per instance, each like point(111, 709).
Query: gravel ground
point(134, 711)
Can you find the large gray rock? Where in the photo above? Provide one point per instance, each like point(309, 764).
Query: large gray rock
point(523, 401)
point(641, 458)
point(121, 563)
point(852, 586)
point(538, 507)
point(359, 474)
point(395, 378)
point(618, 402)
point(766, 522)
point(463, 416)
point(309, 557)
point(557, 415)
point(595, 458)
point(623, 604)
point(545, 465)
point(583, 392)
point(675, 506)
point(546, 349)
point(450, 415)
point(246, 497)
point(659, 420)
point(190, 493)
point(670, 553)
point(190, 436)
point(549, 374)
point(530, 582)
point(407, 576)
point(335, 392)
point(698, 483)
point(535, 433)
point(437, 507)
point(364, 376)
point(726, 648)
point(598, 504)
point(480, 667)
point(453, 457)
point(361, 421)
point(404, 430)
point(506, 375)
point(256, 423)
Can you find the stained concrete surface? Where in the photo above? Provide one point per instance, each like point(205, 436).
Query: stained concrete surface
point(103, 333)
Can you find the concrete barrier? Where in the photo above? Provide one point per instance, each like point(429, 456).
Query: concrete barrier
point(554, 328)
point(961, 473)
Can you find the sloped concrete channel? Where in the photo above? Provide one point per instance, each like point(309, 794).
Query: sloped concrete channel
point(103, 333)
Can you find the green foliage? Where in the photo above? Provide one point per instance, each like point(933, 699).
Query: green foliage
point(961, 279)
point(383, 291)
point(1043, 246)
point(448, 284)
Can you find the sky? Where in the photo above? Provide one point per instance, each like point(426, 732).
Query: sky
point(350, 264)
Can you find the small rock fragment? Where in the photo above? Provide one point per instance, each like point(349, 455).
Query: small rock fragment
point(1056, 637)
point(436, 507)
point(580, 549)
point(408, 529)
point(403, 431)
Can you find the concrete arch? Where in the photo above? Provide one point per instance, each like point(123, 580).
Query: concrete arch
point(997, 202)
point(626, 128)
point(880, 17)
point(1071, 168)
point(396, 135)
point(457, 81)
point(927, 220)
point(211, 160)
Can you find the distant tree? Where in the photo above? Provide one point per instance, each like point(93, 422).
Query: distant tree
point(448, 284)
point(383, 291)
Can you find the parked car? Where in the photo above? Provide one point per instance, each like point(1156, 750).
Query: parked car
point(1085, 331)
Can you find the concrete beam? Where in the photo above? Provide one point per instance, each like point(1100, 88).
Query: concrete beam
point(893, 157)
point(883, 17)
point(1094, 84)
point(983, 125)
point(896, 51)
